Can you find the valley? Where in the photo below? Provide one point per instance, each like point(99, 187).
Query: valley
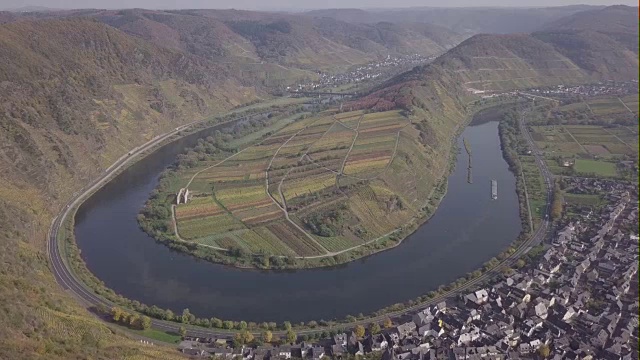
point(300, 183)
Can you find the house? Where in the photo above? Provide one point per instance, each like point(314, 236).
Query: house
point(338, 351)
point(317, 352)
point(442, 306)
point(305, 349)
point(541, 310)
point(282, 352)
point(422, 318)
point(376, 343)
point(340, 339)
point(524, 348)
point(194, 352)
point(478, 297)
point(261, 353)
point(405, 329)
point(222, 353)
point(432, 329)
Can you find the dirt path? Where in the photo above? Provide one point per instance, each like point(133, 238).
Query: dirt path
point(283, 206)
point(574, 139)
point(344, 161)
point(625, 105)
point(175, 230)
point(616, 136)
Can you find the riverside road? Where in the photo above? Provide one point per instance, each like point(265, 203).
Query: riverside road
point(69, 281)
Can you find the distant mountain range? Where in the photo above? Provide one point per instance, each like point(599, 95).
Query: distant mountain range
point(79, 88)
point(461, 20)
point(567, 51)
point(248, 37)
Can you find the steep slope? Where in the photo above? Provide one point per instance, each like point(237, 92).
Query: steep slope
point(83, 83)
point(256, 41)
point(75, 96)
point(490, 63)
point(604, 42)
point(612, 20)
point(385, 37)
point(460, 20)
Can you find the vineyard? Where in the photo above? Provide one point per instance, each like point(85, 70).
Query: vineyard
point(280, 195)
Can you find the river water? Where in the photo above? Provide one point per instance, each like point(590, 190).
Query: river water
point(467, 230)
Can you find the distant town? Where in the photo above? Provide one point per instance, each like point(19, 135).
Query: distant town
point(381, 69)
point(576, 298)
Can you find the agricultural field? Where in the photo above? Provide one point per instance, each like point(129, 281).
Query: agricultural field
point(599, 168)
point(315, 187)
point(599, 110)
point(589, 149)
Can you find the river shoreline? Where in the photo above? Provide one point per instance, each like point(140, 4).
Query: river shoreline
point(238, 273)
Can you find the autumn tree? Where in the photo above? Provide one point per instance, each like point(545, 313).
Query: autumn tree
point(267, 336)
point(387, 323)
point(359, 330)
point(227, 324)
point(243, 337)
point(186, 316)
point(216, 323)
point(145, 323)
point(291, 336)
point(544, 351)
point(134, 320)
point(116, 313)
point(374, 328)
point(182, 331)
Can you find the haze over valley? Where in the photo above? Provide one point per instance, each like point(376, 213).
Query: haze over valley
point(310, 139)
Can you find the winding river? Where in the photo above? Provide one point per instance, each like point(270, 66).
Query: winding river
point(467, 230)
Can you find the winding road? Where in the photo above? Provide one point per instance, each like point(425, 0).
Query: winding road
point(66, 278)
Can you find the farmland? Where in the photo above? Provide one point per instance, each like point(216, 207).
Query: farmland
point(586, 150)
point(310, 188)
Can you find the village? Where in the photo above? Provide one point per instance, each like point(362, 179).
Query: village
point(575, 298)
point(381, 69)
point(589, 90)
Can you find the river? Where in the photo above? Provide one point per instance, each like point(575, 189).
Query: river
point(467, 230)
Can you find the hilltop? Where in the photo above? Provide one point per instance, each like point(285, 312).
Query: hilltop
point(250, 38)
point(81, 88)
point(495, 62)
point(461, 20)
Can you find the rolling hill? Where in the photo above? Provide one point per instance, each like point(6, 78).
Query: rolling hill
point(499, 62)
point(78, 89)
point(76, 95)
point(461, 20)
point(248, 39)
point(603, 42)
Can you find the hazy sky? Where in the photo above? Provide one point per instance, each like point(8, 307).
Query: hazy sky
point(290, 4)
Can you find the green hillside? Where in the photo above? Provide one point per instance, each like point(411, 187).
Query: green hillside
point(79, 89)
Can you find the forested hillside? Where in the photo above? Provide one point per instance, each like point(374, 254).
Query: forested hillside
point(461, 20)
point(79, 89)
point(248, 38)
point(76, 95)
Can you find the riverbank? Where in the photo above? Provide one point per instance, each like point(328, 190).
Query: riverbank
point(159, 219)
point(394, 309)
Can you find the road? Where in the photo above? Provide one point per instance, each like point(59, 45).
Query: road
point(70, 283)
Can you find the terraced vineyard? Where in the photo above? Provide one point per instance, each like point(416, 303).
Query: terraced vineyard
point(317, 187)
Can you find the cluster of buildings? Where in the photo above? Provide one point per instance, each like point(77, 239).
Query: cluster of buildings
point(578, 299)
point(375, 70)
point(604, 88)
